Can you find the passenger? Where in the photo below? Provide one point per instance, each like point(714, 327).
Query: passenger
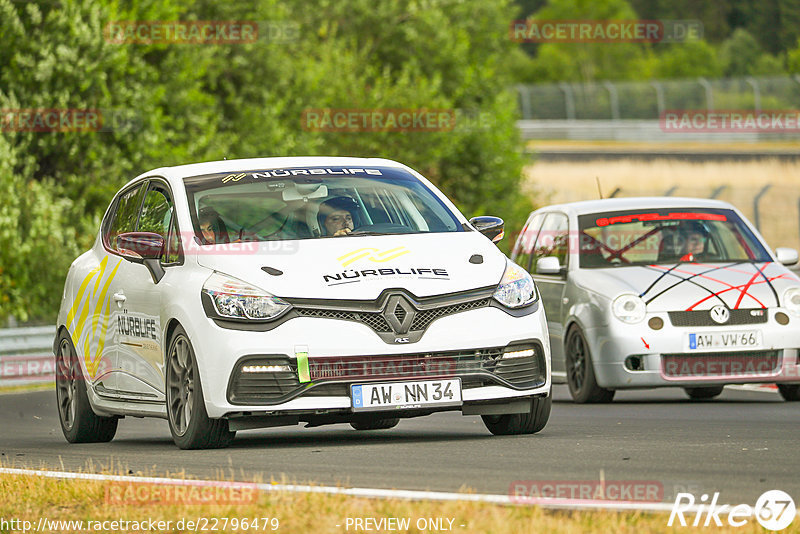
point(336, 216)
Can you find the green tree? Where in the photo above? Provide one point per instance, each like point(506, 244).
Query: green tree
point(739, 53)
point(195, 103)
point(588, 61)
point(687, 60)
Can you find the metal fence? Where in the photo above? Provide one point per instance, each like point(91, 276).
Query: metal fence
point(26, 355)
point(648, 100)
point(632, 111)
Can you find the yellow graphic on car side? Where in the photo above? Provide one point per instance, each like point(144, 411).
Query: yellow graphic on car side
point(98, 301)
point(372, 254)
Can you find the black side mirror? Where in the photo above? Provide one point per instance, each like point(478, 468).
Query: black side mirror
point(143, 247)
point(138, 246)
point(491, 227)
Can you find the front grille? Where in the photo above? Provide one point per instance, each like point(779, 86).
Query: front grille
point(439, 364)
point(426, 317)
point(703, 317)
point(522, 372)
point(735, 364)
point(378, 323)
point(372, 319)
point(333, 376)
point(252, 387)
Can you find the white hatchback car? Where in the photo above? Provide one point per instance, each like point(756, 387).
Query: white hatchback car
point(242, 294)
point(656, 292)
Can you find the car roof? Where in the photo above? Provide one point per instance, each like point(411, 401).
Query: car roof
point(239, 165)
point(636, 203)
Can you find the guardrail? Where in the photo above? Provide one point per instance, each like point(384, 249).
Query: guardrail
point(636, 130)
point(26, 355)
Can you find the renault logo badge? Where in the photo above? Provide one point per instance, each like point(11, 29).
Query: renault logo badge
point(399, 313)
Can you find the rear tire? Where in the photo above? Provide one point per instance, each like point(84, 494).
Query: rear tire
point(705, 393)
point(78, 421)
point(521, 423)
point(789, 392)
point(580, 371)
point(374, 424)
point(189, 424)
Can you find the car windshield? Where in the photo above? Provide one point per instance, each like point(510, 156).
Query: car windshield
point(313, 202)
point(645, 237)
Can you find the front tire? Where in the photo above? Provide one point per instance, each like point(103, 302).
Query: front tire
point(521, 423)
point(189, 424)
point(580, 371)
point(374, 424)
point(78, 421)
point(705, 393)
point(789, 392)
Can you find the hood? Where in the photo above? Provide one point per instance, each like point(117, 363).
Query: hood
point(694, 286)
point(361, 267)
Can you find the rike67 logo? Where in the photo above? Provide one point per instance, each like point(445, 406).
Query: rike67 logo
point(774, 510)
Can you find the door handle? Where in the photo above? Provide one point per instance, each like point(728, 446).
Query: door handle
point(120, 297)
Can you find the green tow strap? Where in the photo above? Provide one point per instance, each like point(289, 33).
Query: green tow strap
point(303, 373)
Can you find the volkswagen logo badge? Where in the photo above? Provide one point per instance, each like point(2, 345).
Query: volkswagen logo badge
point(720, 314)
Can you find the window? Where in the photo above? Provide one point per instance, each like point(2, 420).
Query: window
point(282, 204)
point(172, 254)
point(553, 239)
point(125, 213)
point(524, 246)
point(158, 217)
point(665, 236)
point(156, 211)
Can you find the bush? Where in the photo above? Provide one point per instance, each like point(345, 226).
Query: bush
point(196, 103)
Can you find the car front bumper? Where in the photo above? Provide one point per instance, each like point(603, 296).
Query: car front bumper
point(636, 356)
point(219, 351)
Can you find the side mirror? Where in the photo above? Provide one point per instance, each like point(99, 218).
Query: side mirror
point(491, 227)
point(786, 256)
point(548, 265)
point(138, 246)
point(145, 248)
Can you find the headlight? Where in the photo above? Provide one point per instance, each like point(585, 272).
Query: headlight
point(791, 300)
point(516, 288)
point(235, 299)
point(629, 308)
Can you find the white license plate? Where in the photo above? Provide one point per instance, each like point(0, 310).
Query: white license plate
point(699, 342)
point(406, 395)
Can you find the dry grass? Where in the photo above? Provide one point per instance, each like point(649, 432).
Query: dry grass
point(555, 182)
point(29, 498)
point(45, 386)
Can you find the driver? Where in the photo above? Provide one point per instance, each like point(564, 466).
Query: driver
point(695, 237)
point(212, 227)
point(336, 216)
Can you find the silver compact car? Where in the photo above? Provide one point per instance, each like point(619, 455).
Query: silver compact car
point(654, 292)
point(232, 295)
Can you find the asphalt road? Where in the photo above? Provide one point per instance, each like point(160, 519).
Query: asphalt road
point(741, 444)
